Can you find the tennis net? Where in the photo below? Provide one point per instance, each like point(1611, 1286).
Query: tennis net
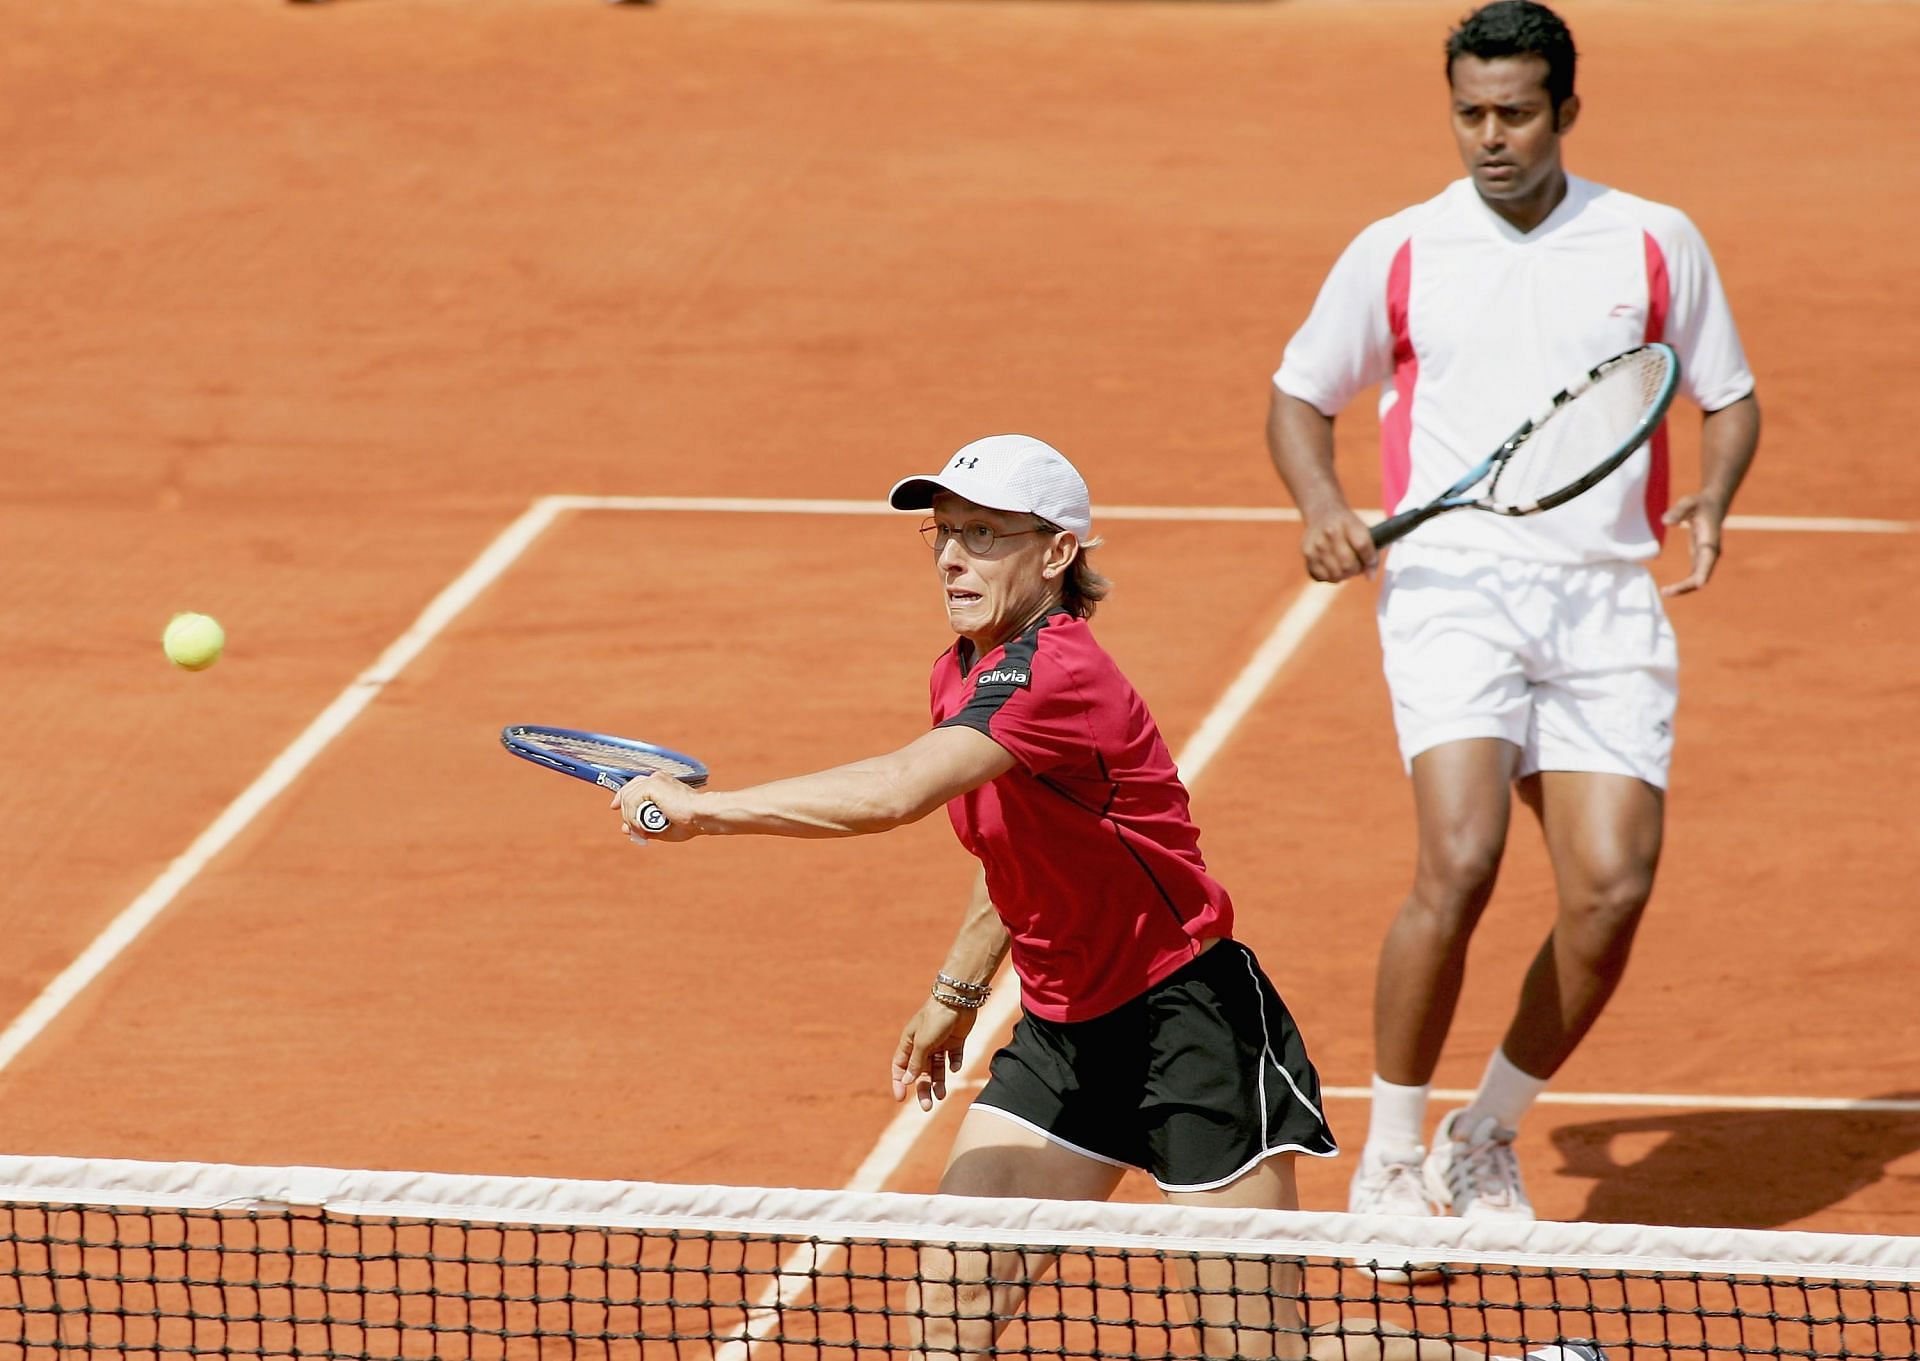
point(151, 1260)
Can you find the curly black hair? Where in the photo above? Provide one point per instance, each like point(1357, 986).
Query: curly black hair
point(1518, 28)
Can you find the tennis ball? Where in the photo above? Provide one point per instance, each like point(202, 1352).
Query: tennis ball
point(193, 641)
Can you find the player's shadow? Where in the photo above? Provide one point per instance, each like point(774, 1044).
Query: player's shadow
point(1735, 1169)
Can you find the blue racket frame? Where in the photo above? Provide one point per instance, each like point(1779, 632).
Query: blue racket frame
point(522, 740)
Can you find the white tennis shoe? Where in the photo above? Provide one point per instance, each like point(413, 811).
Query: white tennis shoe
point(1391, 1186)
point(1473, 1173)
point(1567, 1351)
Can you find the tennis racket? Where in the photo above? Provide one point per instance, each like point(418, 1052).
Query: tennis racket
point(1585, 432)
point(609, 762)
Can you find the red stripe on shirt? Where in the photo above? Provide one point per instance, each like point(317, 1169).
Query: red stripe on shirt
point(1396, 430)
point(1659, 298)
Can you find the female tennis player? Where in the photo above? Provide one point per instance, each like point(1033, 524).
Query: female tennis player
point(1151, 1038)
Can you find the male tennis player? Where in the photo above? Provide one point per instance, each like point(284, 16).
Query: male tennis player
point(1534, 650)
point(1151, 1038)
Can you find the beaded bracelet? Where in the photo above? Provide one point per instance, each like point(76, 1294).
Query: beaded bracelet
point(980, 990)
point(953, 999)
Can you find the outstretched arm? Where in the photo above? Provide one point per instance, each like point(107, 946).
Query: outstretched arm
point(1728, 439)
point(1333, 539)
point(935, 1040)
point(851, 800)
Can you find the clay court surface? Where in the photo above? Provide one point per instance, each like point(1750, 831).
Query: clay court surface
point(305, 306)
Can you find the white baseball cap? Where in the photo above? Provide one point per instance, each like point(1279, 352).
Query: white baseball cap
point(1007, 472)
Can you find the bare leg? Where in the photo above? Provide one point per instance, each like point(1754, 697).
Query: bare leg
point(1248, 1307)
point(1462, 800)
point(1603, 833)
point(966, 1296)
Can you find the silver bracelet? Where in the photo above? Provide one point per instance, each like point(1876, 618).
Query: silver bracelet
point(980, 990)
point(953, 999)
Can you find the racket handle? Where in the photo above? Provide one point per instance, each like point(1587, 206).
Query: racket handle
point(1395, 526)
point(646, 815)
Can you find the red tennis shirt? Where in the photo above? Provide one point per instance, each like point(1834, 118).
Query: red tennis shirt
point(1092, 859)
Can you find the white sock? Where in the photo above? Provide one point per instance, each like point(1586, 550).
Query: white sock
point(1398, 1116)
point(1505, 1093)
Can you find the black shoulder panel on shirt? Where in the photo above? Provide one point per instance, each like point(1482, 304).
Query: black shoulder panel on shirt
point(996, 685)
point(1014, 670)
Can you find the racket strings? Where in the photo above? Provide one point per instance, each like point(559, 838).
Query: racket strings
point(615, 757)
point(1589, 430)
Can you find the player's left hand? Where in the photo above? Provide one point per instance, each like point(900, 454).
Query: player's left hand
point(1702, 516)
point(934, 1043)
point(671, 797)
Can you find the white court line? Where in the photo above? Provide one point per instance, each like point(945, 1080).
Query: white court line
point(1672, 1100)
point(769, 505)
point(124, 929)
point(1651, 1100)
point(1819, 524)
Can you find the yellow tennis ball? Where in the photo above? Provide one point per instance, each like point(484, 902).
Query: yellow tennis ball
point(193, 641)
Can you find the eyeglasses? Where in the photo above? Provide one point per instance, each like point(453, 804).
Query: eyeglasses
point(976, 536)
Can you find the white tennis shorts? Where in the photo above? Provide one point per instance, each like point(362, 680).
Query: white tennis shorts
point(1575, 665)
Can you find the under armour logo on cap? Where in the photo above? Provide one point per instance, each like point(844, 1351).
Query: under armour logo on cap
point(1007, 472)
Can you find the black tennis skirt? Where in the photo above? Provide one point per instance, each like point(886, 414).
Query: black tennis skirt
point(1196, 1081)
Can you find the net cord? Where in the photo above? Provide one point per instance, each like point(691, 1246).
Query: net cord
point(834, 1216)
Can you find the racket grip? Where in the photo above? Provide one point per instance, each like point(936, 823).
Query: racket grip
point(1396, 526)
point(646, 814)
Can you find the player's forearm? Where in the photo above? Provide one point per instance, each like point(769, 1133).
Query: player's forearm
point(1300, 442)
point(1729, 438)
point(874, 795)
point(980, 946)
point(850, 800)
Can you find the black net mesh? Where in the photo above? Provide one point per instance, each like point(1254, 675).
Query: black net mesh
point(304, 1281)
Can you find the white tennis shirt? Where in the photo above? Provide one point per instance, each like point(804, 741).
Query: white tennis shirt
point(1470, 326)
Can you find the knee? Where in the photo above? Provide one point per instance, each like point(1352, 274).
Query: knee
point(1601, 915)
point(953, 1287)
point(958, 1302)
point(1455, 877)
